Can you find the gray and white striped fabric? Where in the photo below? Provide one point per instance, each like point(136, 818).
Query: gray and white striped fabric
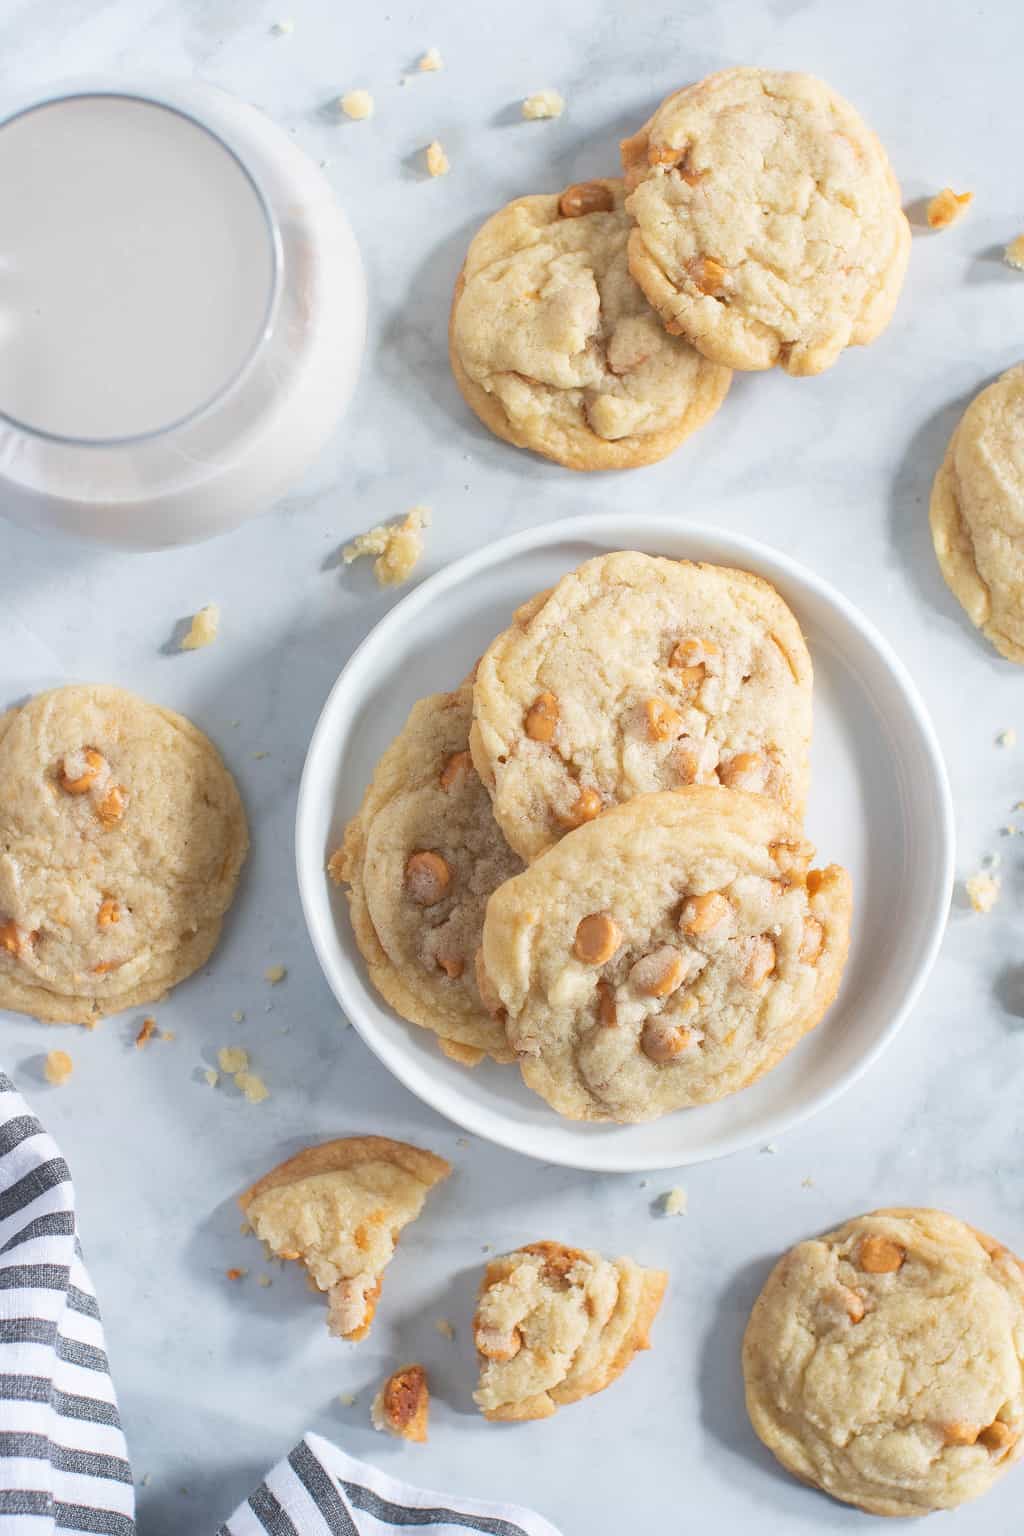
point(63, 1462)
point(319, 1491)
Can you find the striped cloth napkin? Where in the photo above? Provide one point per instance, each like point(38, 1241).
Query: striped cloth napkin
point(63, 1461)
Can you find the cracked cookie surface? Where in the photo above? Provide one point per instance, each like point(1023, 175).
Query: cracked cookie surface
point(556, 1324)
point(977, 513)
point(556, 349)
point(338, 1209)
point(666, 954)
point(122, 836)
point(884, 1362)
point(635, 674)
point(769, 227)
point(422, 856)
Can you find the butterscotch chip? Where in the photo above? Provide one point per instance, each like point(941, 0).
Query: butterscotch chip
point(556, 349)
point(146, 1032)
point(585, 807)
point(402, 1406)
point(947, 206)
point(665, 673)
point(338, 1209)
point(768, 221)
point(127, 836)
point(706, 992)
point(880, 1255)
point(556, 1324)
point(426, 798)
point(913, 1399)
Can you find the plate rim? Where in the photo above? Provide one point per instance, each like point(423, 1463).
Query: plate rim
point(622, 530)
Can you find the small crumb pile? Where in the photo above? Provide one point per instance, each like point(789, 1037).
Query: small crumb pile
point(947, 206)
point(543, 104)
point(437, 160)
point(675, 1201)
point(398, 547)
point(203, 629)
point(58, 1067)
point(357, 105)
point(234, 1063)
point(430, 61)
point(982, 891)
point(1014, 253)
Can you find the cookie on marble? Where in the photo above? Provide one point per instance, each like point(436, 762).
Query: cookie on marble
point(122, 836)
point(638, 674)
point(556, 349)
point(555, 1324)
point(884, 1362)
point(977, 513)
point(338, 1209)
point(402, 1405)
point(421, 858)
point(666, 954)
point(768, 221)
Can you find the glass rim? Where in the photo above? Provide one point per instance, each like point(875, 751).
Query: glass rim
point(266, 326)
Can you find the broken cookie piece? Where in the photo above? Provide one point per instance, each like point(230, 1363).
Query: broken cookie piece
point(338, 1209)
point(402, 1406)
point(398, 546)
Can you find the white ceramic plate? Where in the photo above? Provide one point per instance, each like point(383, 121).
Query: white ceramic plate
point(880, 804)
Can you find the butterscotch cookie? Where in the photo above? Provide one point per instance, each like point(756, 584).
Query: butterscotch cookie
point(884, 1362)
point(402, 1406)
point(555, 1324)
point(338, 1209)
point(666, 954)
point(421, 858)
point(121, 840)
point(638, 674)
point(556, 349)
point(768, 221)
point(977, 513)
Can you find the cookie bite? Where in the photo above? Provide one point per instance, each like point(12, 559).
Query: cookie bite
point(402, 1405)
point(666, 954)
point(122, 836)
point(556, 349)
point(555, 1324)
point(977, 513)
point(421, 858)
point(884, 1362)
point(338, 1209)
point(639, 673)
point(768, 221)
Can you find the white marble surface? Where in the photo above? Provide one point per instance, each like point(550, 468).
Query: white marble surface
point(216, 1379)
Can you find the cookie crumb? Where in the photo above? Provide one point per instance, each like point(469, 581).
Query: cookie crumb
point(947, 206)
point(336, 866)
point(357, 105)
point(675, 1201)
point(398, 547)
point(444, 1328)
point(283, 28)
point(437, 160)
point(543, 104)
point(212, 1076)
point(430, 61)
point(1010, 830)
point(232, 1059)
point(203, 629)
point(264, 1280)
point(259, 756)
point(146, 1033)
point(168, 1036)
point(275, 973)
point(982, 891)
point(346, 1399)
point(252, 1086)
point(58, 1068)
point(402, 1405)
point(807, 1183)
point(769, 1149)
point(1007, 738)
point(237, 1274)
point(1014, 253)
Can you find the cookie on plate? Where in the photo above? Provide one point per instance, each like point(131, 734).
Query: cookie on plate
point(768, 221)
point(555, 1324)
point(666, 954)
point(556, 349)
point(977, 513)
point(421, 858)
point(338, 1209)
point(121, 840)
point(884, 1362)
point(637, 674)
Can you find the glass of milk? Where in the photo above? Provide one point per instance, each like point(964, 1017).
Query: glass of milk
point(182, 313)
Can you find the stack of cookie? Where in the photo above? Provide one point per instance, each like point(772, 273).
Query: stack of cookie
point(758, 223)
point(589, 859)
